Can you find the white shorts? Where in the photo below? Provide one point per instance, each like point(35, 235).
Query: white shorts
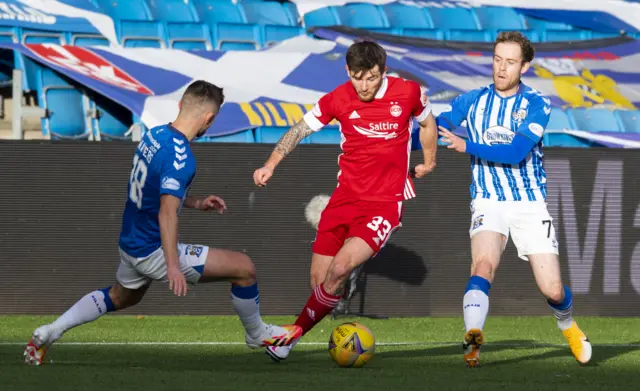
point(528, 222)
point(134, 273)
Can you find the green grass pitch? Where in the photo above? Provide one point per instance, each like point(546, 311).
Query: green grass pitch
point(208, 353)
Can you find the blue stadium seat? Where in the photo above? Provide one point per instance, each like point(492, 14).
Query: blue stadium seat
point(111, 120)
point(362, 15)
point(424, 33)
point(386, 30)
point(173, 10)
point(268, 12)
point(64, 106)
point(88, 40)
point(216, 11)
point(595, 120)
point(9, 34)
point(328, 135)
point(189, 36)
point(293, 12)
point(500, 18)
point(565, 35)
point(630, 120)
point(457, 18)
point(406, 16)
point(232, 36)
point(125, 10)
point(29, 36)
point(565, 141)
point(559, 120)
point(137, 34)
point(468, 35)
point(600, 35)
point(245, 136)
point(271, 135)
point(275, 33)
point(543, 25)
point(322, 17)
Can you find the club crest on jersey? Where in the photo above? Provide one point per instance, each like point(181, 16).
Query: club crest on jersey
point(496, 135)
point(395, 110)
point(193, 250)
point(519, 115)
point(477, 222)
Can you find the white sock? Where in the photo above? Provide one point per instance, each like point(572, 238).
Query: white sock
point(476, 303)
point(246, 301)
point(89, 308)
point(563, 311)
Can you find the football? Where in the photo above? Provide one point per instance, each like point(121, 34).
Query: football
point(351, 345)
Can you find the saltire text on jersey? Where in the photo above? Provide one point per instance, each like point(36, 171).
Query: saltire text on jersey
point(163, 164)
point(491, 119)
point(376, 137)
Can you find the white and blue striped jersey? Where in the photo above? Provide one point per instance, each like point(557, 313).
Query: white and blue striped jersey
point(491, 120)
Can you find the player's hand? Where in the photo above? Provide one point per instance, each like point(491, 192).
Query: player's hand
point(262, 175)
point(424, 169)
point(177, 282)
point(213, 203)
point(456, 143)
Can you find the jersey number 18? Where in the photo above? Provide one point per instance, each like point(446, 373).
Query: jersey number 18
point(136, 180)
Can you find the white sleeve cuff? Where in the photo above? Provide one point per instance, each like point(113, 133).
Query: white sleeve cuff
point(425, 113)
point(312, 121)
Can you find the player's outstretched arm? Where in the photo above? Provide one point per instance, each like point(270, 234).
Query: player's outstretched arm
point(168, 219)
point(512, 153)
point(429, 142)
point(211, 202)
point(287, 143)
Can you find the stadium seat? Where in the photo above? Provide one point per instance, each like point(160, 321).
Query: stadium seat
point(29, 36)
point(565, 35)
point(322, 17)
point(275, 33)
point(64, 105)
point(468, 35)
point(594, 120)
point(558, 120)
point(268, 13)
point(362, 15)
point(125, 10)
point(407, 17)
point(217, 11)
point(229, 26)
point(423, 33)
point(271, 135)
point(88, 40)
point(565, 141)
point(328, 135)
point(500, 18)
point(457, 18)
point(630, 120)
point(137, 34)
point(240, 137)
point(173, 10)
point(109, 119)
point(542, 25)
point(601, 35)
point(189, 36)
point(9, 34)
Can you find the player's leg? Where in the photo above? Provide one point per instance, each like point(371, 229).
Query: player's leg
point(201, 264)
point(535, 238)
point(489, 234)
point(129, 289)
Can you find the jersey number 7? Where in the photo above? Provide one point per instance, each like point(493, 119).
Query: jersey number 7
point(136, 180)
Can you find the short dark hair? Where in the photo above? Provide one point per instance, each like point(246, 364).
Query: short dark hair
point(200, 93)
point(526, 48)
point(365, 55)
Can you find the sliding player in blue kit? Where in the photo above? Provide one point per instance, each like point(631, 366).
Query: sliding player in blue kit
point(505, 123)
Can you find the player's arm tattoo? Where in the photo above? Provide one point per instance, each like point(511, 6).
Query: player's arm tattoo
point(293, 137)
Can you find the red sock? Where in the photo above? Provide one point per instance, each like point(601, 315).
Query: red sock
point(318, 306)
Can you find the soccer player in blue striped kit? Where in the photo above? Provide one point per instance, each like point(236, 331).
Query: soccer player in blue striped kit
point(505, 122)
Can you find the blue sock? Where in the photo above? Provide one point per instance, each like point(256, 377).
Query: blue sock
point(475, 304)
point(563, 311)
point(246, 301)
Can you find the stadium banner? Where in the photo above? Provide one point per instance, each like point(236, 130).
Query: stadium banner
point(296, 73)
point(67, 245)
point(75, 16)
point(597, 15)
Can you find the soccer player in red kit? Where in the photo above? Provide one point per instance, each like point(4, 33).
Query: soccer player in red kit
point(376, 114)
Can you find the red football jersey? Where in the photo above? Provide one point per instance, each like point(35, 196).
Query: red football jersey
point(376, 137)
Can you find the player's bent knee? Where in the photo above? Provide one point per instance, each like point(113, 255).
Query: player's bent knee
point(122, 297)
point(483, 268)
point(246, 274)
point(554, 292)
point(339, 271)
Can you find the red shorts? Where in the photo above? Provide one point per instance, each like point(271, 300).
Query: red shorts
point(373, 222)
